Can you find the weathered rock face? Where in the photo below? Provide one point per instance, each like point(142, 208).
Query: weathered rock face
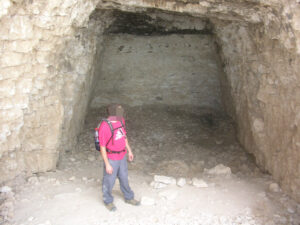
point(261, 85)
point(172, 70)
point(45, 58)
point(48, 67)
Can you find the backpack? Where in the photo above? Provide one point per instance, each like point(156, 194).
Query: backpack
point(96, 135)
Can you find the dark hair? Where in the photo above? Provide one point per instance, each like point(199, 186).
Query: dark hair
point(115, 110)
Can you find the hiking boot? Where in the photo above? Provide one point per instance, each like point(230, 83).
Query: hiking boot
point(110, 206)
point(132, 202)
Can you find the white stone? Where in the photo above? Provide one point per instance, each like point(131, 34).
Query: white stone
point(158, 185)
point(164, 179)
point(291, 210)
point(30, 218)
point(219, 170)
point(72, 159)
point(72, 178)
point(189, 181)
point(5, 189)
point(199, 183)
point(147, 201)
point(258, 125)
point(181, 182)
point(274, 187)
point(4, 5)
point(169, 194)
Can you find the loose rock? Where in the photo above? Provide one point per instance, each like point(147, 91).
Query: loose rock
point(33, 180)
point(158, 185)
point(219, 170)
point(274, 187)
point(5, 189)
point(181, 182)
point(199, 183)
point(164, 179)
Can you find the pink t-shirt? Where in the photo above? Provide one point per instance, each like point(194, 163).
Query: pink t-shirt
point(119, 137)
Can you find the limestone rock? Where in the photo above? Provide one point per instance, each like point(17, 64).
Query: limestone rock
point(5, 189)
point(31, 218)
point(158, 185)
point(274, 187)
point(181, 182)
point(72, 159)
point(164, 179)
point(199, 183)
point(219, 170)
point(33, 180)
point(147, 201)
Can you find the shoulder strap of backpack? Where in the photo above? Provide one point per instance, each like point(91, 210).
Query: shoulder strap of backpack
point(122, 123)
point(111, 129)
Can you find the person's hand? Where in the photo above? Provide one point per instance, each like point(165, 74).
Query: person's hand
point(109, 169)
point(130, 156)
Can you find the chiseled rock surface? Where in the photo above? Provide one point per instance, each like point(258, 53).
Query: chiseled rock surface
point(47, 64)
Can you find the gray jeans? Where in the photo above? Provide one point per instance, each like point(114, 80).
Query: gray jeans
point(120, 170)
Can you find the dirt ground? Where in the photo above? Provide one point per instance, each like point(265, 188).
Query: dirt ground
point(223, 184)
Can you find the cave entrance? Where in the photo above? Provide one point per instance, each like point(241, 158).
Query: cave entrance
point(165, 70)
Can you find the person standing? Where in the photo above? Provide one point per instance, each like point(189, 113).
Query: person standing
point(113, 147)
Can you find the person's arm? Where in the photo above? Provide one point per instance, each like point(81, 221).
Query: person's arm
point(130, 154)
point(108, 167)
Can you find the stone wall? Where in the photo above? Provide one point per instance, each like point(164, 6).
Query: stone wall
point(168, 69)
point(37, 87)
point(47, 68)
point(262, 77)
